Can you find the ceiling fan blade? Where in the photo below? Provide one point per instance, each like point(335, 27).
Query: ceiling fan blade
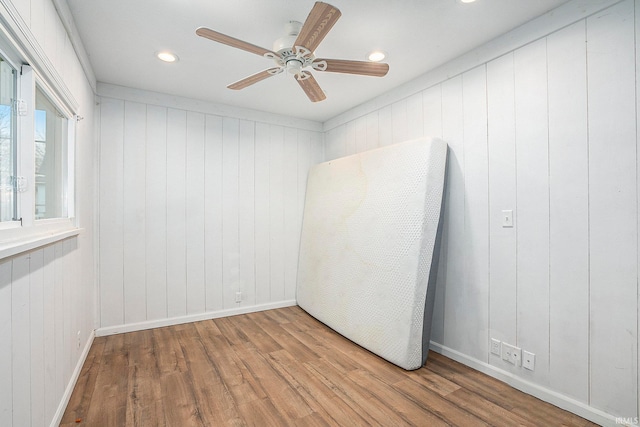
point(321, 19)
point(365, 68)
point(311, 87)
point(210, 34)
point(255, 78)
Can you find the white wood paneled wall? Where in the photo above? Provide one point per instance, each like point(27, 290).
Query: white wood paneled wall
point(47, 295)
point(195, 207)
point(42, 305)
point(549, 131)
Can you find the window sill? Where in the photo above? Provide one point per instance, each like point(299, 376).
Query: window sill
point(13, 247)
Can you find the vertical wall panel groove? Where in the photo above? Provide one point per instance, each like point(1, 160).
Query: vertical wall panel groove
point(474, 301)
point(134, 212)
point(246, 212)
point(20, 343)
point(195, 213)
point(213, 213)
point(432, 113)
point(176, 213)
point(111, 212)
point(568, 213)
point(156, 213)
point(36, 318)
point(49, 332)
point(276, 212)
point(372, 131)
point(361, 134)
point(453, 248)
point(291, 211)
point(637, 64)
point(532, 195)
point(6, 357)
point(262, 209)
point(502, 181)
point(230, 200)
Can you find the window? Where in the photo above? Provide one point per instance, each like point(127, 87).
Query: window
point(8, 184)
point(50, 158)
point(37, 148)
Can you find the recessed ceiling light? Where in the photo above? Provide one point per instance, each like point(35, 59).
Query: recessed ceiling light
point(467, 1)
point(376, 56)
point(167, 56)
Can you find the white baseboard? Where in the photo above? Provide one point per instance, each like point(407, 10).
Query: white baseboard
point(542, 393)
point(151, 324)
point(62, 406)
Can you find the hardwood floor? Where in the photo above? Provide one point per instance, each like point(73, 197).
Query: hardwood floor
point(282, 367)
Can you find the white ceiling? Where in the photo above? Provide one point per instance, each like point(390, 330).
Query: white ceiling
point(121, 37)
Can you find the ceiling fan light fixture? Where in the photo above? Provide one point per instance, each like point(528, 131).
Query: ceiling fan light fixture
point(376, 56)
point(294, 66)
point(167, 56)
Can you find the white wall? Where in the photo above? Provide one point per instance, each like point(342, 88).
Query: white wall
point(547, 129)
point(47, 295)
point(197, 202)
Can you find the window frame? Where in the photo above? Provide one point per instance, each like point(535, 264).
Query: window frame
point(27, 232)
point(9, 57)
point(67, 159)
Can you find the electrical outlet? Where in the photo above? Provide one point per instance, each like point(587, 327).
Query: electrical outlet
point(238, 296)
point(511, 354)
point(495, 347)
point(528, 360)
point(78, 340)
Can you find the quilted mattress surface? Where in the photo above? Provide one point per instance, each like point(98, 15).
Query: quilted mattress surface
point(369, 231)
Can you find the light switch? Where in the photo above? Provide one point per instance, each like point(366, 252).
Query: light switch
point(507, 219)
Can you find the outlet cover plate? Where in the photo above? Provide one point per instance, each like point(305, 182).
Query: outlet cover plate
point(511, 354)
point(528, 360)
point(495, 346)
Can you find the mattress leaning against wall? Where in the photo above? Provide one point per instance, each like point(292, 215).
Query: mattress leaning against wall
point(368, 250)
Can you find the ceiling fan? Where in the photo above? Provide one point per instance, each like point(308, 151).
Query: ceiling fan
point(295, 53)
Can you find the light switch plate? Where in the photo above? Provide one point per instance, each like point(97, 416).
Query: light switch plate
point(507, 218)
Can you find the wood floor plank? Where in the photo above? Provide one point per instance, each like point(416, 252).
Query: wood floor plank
point(432, 381)
point(240, 383)
point(288, 403)
point(343, 411)
point(408, 410)
point(280, 368)
point(437, 405)
point(487, 410)
point(212, 397)
point(109, 400)
point(322, 398)
point(144, 394)
point(79, 403)
point(180, 404)
point(168, 351)
point(275, 330)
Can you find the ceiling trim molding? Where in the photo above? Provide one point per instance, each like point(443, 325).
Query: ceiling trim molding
point(170, 101)
point(552, 21)
point(32, 52)
point(64, 13)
